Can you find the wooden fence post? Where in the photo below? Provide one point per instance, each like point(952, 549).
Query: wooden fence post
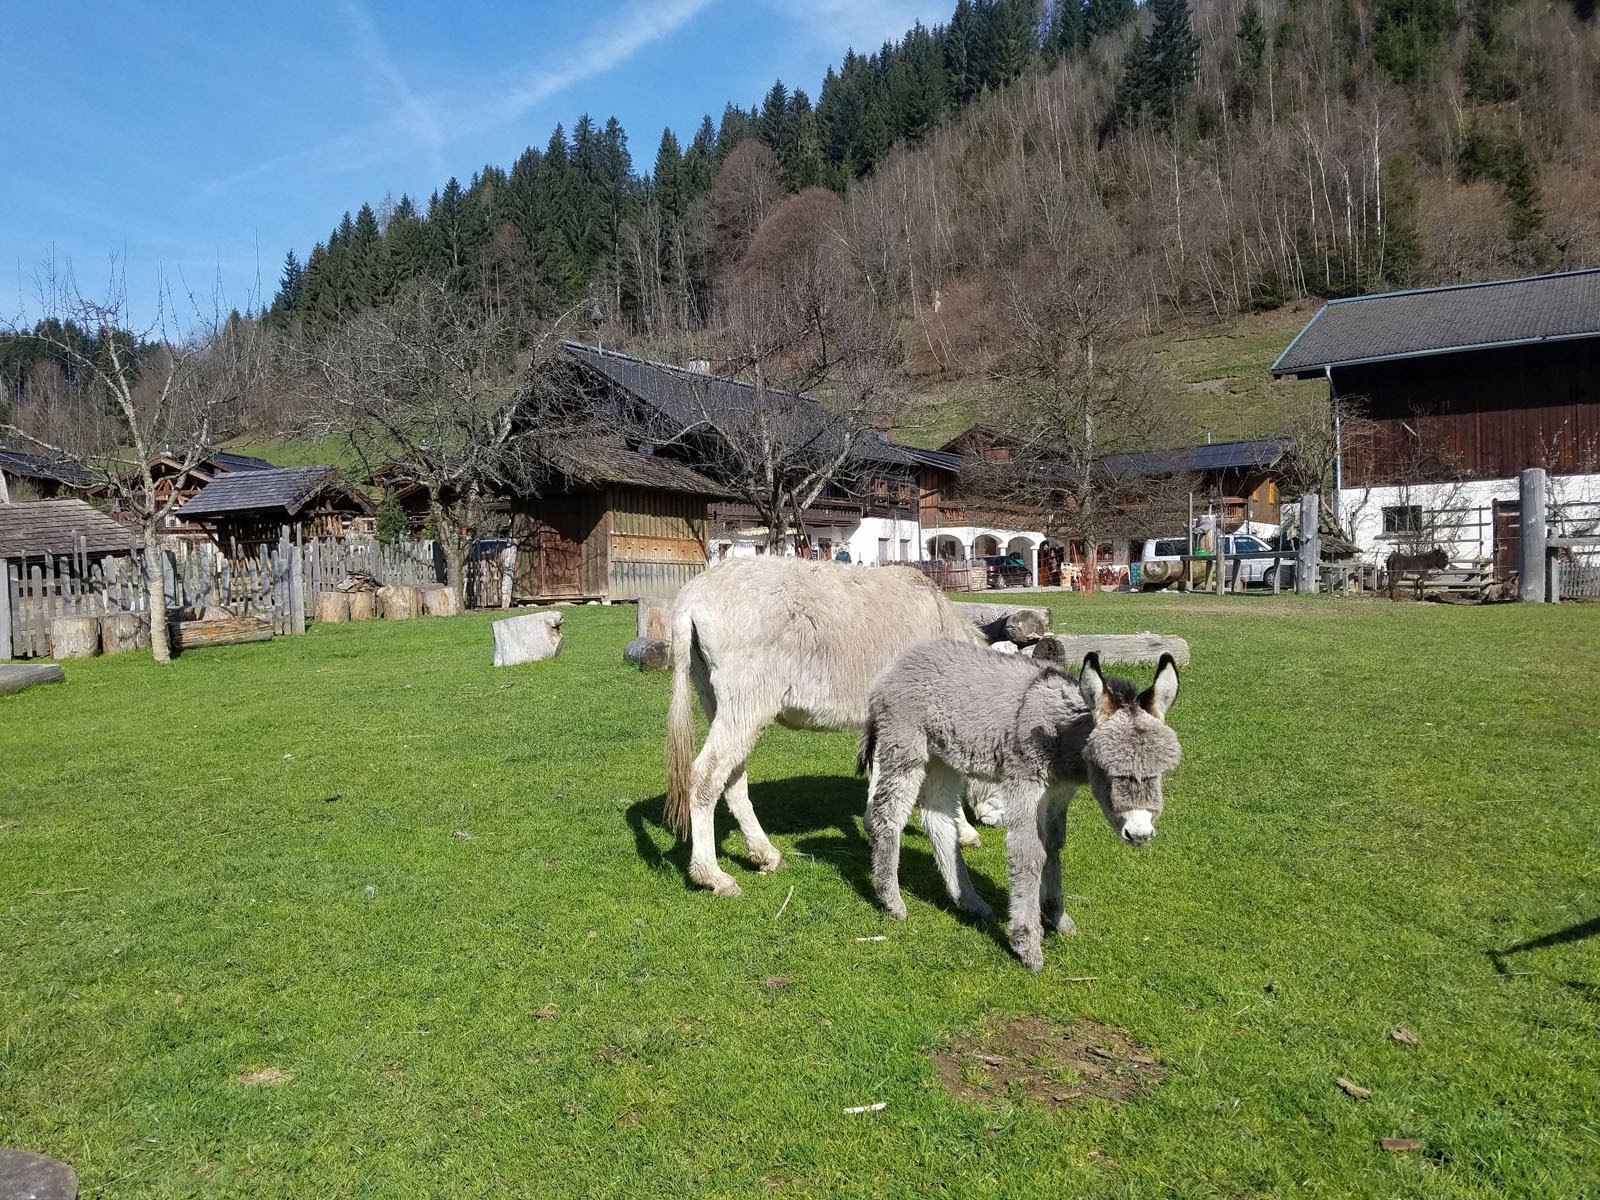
point(297, 588)
point(1532, 521)
point(1305, 573)
point(5, 610)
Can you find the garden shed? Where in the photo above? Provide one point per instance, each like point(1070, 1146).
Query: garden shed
point(618, 524)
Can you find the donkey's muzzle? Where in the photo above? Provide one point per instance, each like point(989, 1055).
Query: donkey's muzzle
point(1138, 827)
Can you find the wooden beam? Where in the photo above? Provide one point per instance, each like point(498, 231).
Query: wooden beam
point(16, 676)
point(228, 631)
point(1532, 533)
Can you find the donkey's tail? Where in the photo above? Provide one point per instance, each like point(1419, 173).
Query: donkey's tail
point(680, 724)
point(868, 747)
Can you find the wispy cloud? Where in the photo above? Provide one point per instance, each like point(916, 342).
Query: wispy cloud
point(431, 124)
point(375, 56)
point(864, 25)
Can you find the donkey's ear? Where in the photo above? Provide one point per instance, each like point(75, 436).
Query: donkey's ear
point(1158, 697)
point(1092, 687)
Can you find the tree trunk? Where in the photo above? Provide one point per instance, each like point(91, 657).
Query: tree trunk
point(155, 588)
point(454, 545)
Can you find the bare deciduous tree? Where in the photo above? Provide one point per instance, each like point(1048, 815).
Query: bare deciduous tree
point(135, 396)
point(441, 391)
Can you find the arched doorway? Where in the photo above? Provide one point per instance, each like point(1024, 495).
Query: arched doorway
point(1054, 569)
point(984, 545)
point(1022, 547)
point(946, 548)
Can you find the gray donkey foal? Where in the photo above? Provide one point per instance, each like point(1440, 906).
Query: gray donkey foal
point(944, 712)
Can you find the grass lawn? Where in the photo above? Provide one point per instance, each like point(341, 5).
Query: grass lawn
point(245, 867)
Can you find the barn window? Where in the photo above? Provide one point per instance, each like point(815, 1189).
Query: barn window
point(1402, 518)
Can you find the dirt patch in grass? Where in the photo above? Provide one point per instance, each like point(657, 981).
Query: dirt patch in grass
point(1031, 1058)
point(265, 1077)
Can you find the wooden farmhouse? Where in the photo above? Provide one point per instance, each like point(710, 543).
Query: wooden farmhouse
point(1443, 396)
point(29, 476)
point(253, 507)
point(51, 550)
point(616, 523)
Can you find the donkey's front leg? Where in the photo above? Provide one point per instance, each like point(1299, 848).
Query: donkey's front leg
point(941, 807)
point(1053, 831)
point(891, 795)
point(1025, 857)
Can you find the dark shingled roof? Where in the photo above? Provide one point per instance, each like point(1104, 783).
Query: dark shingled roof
point(36, 466)
point(602, 461)
point(278, 491)
point(1471, 316)
point(1254, 454)
point(229, 461)
point(54, 526)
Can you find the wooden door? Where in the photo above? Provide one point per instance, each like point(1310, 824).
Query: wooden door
point(551, 553)
point(1507, 540)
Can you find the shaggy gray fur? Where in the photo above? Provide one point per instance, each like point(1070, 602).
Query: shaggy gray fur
point(945, 712)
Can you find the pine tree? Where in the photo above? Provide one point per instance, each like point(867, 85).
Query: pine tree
point(1172, 55)
point(698, 162)
point(1101, 17)
point(737, 125)
point(667, 178)
point(1134, 87)
point(1066, 36)
point(963, 53)
point(1252, 35)
point(773, 125)
point(803, 167)
point(365, 242)
point(1013, 39)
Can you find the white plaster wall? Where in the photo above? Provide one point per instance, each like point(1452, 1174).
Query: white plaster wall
point(863, 539)
point(1361, 509)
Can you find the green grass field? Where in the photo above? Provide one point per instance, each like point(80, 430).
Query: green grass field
point(200, 996)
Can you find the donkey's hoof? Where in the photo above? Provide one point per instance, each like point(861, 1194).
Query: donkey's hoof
point(721, 884)
point(969, 837)
point(978, 908)
point(768, 863)
point(896, 908)
point(1065, 925)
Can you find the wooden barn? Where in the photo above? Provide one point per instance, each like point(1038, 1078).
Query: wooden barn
point(1443, 396)
point(28, 476)
point(170, 477)
point(52, 552)
point(251, 507)
point(618, 524)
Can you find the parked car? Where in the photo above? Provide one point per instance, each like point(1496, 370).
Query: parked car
point(1161, 562)
point(1006, 570)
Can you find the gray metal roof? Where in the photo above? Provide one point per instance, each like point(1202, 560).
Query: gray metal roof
point(37, 466)
point(1444, 320)
point(1252, 454)
point(55, 526)
point(279, 491)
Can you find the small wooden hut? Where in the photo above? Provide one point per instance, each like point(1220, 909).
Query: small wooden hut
point(619, 524)
point(250, 507)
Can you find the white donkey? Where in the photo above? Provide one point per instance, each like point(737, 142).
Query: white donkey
point(944, 713)
point(779, 639)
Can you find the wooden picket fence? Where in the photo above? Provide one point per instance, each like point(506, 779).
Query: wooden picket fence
point(270, 580)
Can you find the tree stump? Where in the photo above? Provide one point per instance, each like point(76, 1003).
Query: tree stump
point(74, 637)
point(121, 632)
point(528, 638)
point(1007, 622)
point(333, 608)
point(400, 603)
point(441, 601)
point(363, 606)
point(655, 617)
point(648, 653)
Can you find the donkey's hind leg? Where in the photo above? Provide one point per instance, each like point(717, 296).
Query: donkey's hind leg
point(1053, 831)
point(891, 795)
point(762, 852)
point(728, 743)
point(941, 809)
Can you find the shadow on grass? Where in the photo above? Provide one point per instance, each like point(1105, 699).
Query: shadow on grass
point(1572, 933)
point(822, 813)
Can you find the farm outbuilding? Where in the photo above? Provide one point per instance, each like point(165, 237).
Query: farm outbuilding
point(1445, 395)
point(29, 476)
point(51, 553)
point(258, 506)
point(617, 524)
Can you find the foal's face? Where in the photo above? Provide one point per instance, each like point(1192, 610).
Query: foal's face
point(1131, 748)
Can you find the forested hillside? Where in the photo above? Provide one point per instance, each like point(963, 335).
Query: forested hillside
point(1234, 158)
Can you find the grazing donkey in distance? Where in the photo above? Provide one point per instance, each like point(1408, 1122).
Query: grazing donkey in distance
point(943, 713)
point(780, 639)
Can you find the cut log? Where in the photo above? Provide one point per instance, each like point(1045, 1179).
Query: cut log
point(528, 638)
point(187, 635)
point(1070, 648)
point(655, 617)
point(74, 637)
point(24, 1174)
point(648, 653)
point(363, 606)
point(441, 601)
point(1007, 622)
point(16, 676)
point(121, 632)
point(333, 608)
point(399, 603)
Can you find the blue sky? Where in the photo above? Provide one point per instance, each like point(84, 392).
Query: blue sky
point(199, 142)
